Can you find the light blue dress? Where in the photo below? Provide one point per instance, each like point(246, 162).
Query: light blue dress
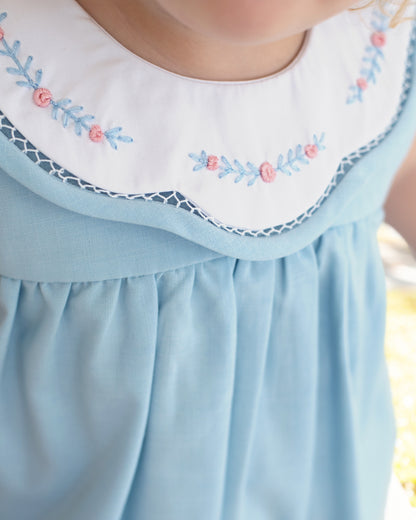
point(154, 366)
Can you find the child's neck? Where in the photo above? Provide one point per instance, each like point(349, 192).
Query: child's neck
point(153, 34)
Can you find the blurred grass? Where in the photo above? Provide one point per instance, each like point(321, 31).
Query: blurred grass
point(400, 351)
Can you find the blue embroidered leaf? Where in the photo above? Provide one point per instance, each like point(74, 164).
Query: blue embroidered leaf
point(4, 53)
point(204, 156)
point(23, 84)
point(3, 16)
point(376, 67)
point(198, 167)
point(239, 178)
point(113, 131)
point(61, 104)
point(73, 110)
point(300, 156)
point(38, 76)
point(65, 119)
point(375, 25)
point(294, 167)
point(16, 47)
point(83, 121)
point(125, 139)
point(113, 135)
point(226, 163)
point(78, 128)
point(64, 102)
point(377, 53)
point(55, 110)
point(15, 72)
point(353, 96)
point(254, 171)
point(194, 156)
point(289, 155)
point(282, 167)
point(240, 168)
point(28, 63)
point(112, 142)
point(226, 168)
point(319, 142)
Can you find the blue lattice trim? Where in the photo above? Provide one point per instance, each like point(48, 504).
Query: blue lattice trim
point(372, 58)
point(177, 200)
point(266, 172)
point(43, 98)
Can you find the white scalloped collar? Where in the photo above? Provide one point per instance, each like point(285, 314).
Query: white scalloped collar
point(251, 154)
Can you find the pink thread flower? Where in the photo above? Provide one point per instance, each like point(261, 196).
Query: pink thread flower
point(96, 134)
point(267, 172)
point(42, 97)
point(362, 83)
point(378, 39)
point(311, 151)
point(212, 162)
point(1, 34)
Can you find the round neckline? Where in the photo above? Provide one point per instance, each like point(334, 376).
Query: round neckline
point(161, 70)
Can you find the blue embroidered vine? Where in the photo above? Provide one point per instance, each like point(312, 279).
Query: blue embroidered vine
point(43, 98)
point(266, 172)
point(373, 54)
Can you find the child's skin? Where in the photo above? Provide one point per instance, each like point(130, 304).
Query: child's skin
point(213, 39)
point(231, 40)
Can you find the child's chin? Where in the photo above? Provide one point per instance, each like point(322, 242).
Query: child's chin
point(238, 21)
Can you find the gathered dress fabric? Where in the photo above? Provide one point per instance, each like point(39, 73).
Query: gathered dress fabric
point(156, 361)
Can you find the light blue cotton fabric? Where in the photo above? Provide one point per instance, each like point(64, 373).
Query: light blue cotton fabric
point(226, 389)
point(217, 388)
point(155, 367)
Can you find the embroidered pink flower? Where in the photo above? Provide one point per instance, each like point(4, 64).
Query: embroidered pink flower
point(96, 134)
point(1, 34)
point(267, 172)
point(212, 162)
point(378, 39)
point(311, 151)
point(362, 83)
point(42, 97)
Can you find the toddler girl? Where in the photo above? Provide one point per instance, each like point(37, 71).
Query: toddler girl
point(192, 300)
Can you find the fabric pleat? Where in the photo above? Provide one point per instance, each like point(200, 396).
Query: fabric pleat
point(219, 390)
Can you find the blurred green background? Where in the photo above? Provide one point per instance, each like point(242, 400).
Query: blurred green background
point(400, 348)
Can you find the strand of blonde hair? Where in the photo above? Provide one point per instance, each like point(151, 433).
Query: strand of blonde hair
point(395, 18)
